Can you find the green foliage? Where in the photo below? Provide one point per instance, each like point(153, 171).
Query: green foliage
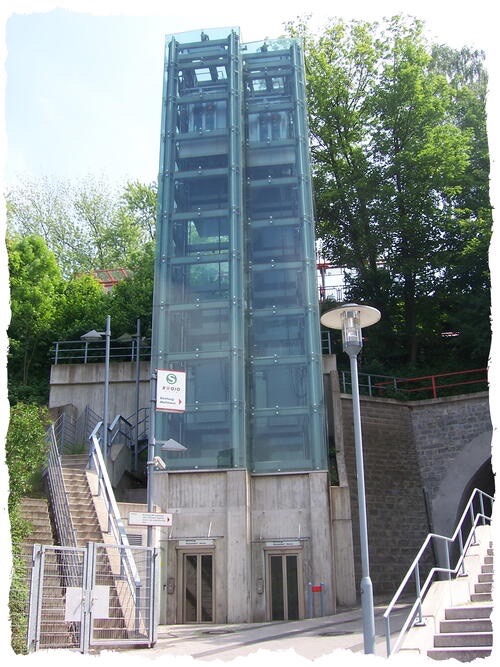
point(25, 450)
point(400, 167)
point(82, 303)
point(86, 225)
point(35, 286)
point(132, 298)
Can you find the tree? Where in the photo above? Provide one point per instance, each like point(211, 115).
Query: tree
point(35, 286)
point(132, 298)
point(139, 201)
point(391, 154)
point(87, 225)
point(82, 302)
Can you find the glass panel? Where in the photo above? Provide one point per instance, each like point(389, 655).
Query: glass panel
point(280, 385)
point(277, 287)
point(276, 334)
point(206, 588)
point(207, 237)
point(272, 125)
point(192, 282)
point(190, 588)
point(206, 434)
point(280, 443)
point(202, 116)
point(201, 330)
point(278, 243)
point(277, 600)
point(203, 193)
point(269, 200)
point(292, 588)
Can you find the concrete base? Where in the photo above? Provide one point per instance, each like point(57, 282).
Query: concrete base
point(241, 521)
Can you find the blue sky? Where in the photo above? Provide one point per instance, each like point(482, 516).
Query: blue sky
point(83, 79)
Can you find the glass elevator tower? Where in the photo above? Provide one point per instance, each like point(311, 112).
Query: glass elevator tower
point(235, 300)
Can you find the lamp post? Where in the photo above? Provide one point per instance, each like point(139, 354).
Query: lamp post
point(89, 337)
point(351, 319)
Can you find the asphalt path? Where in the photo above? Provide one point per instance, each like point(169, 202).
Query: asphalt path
point(310, 638)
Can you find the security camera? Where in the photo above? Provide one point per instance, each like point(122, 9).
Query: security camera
point(159, 463)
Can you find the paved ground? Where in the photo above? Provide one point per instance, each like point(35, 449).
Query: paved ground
point(310, 638)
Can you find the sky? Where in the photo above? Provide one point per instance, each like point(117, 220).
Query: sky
point(83, 80)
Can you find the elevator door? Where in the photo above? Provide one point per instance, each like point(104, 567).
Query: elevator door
point(198, 588)
point(284, 587)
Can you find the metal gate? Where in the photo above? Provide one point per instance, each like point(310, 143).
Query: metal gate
point(98, 595)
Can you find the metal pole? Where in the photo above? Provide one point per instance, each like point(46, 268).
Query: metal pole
point(151, 453)
point(366, 583)
point(107, 334)
point(137, 387)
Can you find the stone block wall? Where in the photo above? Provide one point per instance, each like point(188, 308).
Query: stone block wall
point(396, 508)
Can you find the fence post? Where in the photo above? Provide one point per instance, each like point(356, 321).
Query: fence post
point(33, 636)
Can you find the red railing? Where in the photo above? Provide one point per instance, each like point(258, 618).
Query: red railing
point(437, 382)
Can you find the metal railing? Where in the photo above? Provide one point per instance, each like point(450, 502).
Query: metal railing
point(121, 430)
point(57, 491)
point(115, 523)
point(469, 520)
point(84, 352)
point(416, 388)
point(439, 382)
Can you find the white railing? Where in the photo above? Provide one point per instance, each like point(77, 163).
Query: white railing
point(115, 523)
point(415, 614)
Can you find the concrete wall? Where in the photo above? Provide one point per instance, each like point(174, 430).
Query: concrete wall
point(239, 518)
point(80, 385)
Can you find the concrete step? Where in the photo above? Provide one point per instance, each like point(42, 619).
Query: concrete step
point(485, 578)
point(461, 654)
point(480, 597)
point(483, 588)
point(468, 612)
point(463, 639)
point(466, 625)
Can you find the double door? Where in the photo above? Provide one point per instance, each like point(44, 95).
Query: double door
point(197, 587)
point(285, 589)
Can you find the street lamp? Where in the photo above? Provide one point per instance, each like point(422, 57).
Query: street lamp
point(89, 337)
point(351, 319)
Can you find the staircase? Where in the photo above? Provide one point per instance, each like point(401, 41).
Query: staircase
point(79, 495)
point(466, 632)
point(88, 529)
point(36, 511)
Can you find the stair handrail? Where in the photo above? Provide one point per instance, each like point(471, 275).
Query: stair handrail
point(116, 428)
point(115, 522)
point(59, 500)
point(421, 590)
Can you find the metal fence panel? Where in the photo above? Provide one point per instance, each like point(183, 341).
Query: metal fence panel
point(56, 597)
point(86, 597)
point(123, 609)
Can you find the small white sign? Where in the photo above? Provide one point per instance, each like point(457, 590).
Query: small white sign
point(170, 390)
point(149, 519)
point(283, 543)
point(74, 603)
point(194, 541)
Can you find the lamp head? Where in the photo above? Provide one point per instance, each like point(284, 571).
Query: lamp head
point(91, 336)
point(351, 319)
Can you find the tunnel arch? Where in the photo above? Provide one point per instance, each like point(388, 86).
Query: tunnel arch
point(471, 467)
